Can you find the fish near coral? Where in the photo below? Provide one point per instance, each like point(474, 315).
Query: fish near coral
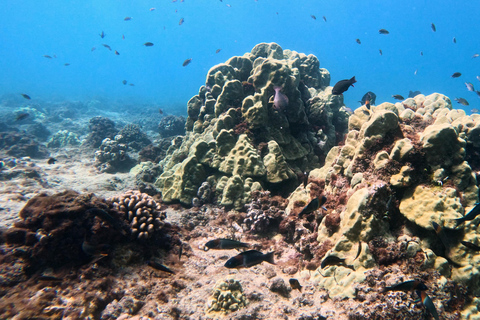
point(225, 244)
point(462, 101)
point(434, 29)
point(249, 259)
point(398, 97)
point(343, 85)
point(469, 86)
point(428, 303)
point(26, 96)
point(470, 215)
point(295, 284)
point(280, 101)
point(158, 266)
point(456, 74)
point(148, 44)
point(368, 99)
point(410, 285)
point(471, 246)
point(335, 261)
point(51, 161)
point(187, 62)
point(313, 205)
point(383, 31)
point(21, 116)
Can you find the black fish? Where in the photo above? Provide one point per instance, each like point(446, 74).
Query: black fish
point(454, 40)
point(334, 261)
point(398, 97)
point(148, 44)
point(368, 99)
point(187, 62)
point(433, 27)
point(380, 51)
point(102, 35)
point(407, 286)
point(295, 284)
point(470, 215)
point(102, 214)
point(225, 244)
point(324, 18)
point(131, 85)
point(313, 17)
point(383, 31)
point(462, 101)
point(218, 50)
point(313, 205)
point(21, 116)
point(159, 266)
point(358, 41)
point(95, 250)
point(26, 96)
point(107, 46)
point(124, 82)
point(117, 53)
point(47, 56)
point(66, 64)
point(413, 94)
point(456, 75)
point(359, 250)
point(248, 259)
point(127, 18)
point(343, 85)
point(441, 234)
point(470, 245)
point(51, 161)
point(428, 303)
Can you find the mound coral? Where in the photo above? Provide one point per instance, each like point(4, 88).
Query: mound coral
point(227, 296)
point(113, 157)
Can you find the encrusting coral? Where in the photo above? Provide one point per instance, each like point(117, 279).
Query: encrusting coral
point(112, 156)
point(227, 297)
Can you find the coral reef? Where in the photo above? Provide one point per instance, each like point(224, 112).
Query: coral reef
point(133, 137)
point(21, 144)
point(142, 212)
point(62, 139)
point(113, 157)
point(171, 126)
point(100, 129)
point(227, 297)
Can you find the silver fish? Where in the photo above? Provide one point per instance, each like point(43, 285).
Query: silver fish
point(469, 86)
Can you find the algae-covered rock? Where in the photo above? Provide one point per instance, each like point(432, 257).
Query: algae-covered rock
point(442, 145)
point(227, 297)
point(275, 164)
point(62, 139)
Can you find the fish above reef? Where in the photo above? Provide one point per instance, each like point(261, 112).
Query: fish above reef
point(358, 41)
point(359, 250)
point(421, 53)
point(441, 235)
point(218, 50)
point(407, 286)
point(343, 85)
point(454, 40)
point(117, 53)
point(127, 18)
point(107, 46)
point(280, 101)
point(433, 27)
point(66, 64)
point(131, 85)
point(148, 44)
point(428, 303)
point(182, 20)
point(152, 9)
point(335, 261)
point(313, 205)
point(462, 101)
point(324, 18)
point(413, 94)
point(51, 160)
point(187, 62)
point(26, 96)
point(469, 86)
point(456, 74)
point(124, 82)
point(102, 35)
point(95, 249)
point(398, 97)
point(470, 215)
point(313, 17)
point(470, 245)
point(21, 116)
point(248, 259)
point(380, 51)
point(295, 284)
point(158, 266)
point(47, 56)
point(383, 31)
point(476, 55)
point(225, 244)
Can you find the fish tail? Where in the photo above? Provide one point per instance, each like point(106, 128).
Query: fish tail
point(269, 257)
point(244, 245)
point(300, 288)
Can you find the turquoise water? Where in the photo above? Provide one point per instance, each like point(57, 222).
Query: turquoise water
point(70, 29)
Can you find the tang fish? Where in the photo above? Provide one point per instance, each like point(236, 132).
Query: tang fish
point(469, 86)
point(398, 97)
point(21, 116)
point(95, 250)
point(187, 62)
point(107, 46)
point(26, 96)
point(428, 303)
point(102, 35)
point(182, 20)
point(248, 259)
point(413, 94)
point(383, 31)
point(456, 74)
point(368, 98)
point(225, 244)
point(470, 215)
point(313, 205)
point(280, 101)
point(343, 85)
point(295, 284)
point(470, 245)
point(159, 266)
point(358, 41)
point(335, 261)
point(433, 27)
point(148, 44)
point(462, 101)
point(51, 161)
point(407, 286)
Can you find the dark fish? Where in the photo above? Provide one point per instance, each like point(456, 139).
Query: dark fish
point(343, 85)
point(51, 161)
point(124, 82)
point(380, 50)
point(469, 86)
point(159, 266)
point(334, 261)
point(127, 18)
point(313, 17)
point(358, 41)
point(470, 215)
point(131, 85)
point(21, 116)
point(160, 111)
point(413, 94)
point(47, 56)
point(96, 250)
point(305, 179)
point(248, 259)
point(295, 284)
point(225, 244)
point(148, 44)
point(407, 286)
point(359, 250)
point(441, 235)
point(181, 21)
point(462, 101)
point(107, 46)
point(26, 96)
point(433, 27)
point(470, 245)
point(478, 78)
point(368, 99)
point(313, 205)
point(476, 55)
point(102, 35)
point(454, 40)
point(398, 97)
point(456, 75)
point(123, 37)
point(102, 214)
point(180, 251)
point(117, 53)
point(428, 303)
point(93, 49)
point(280, 101)
point(66, 64)
point(324, 19)
point(187, 62)
point(383, 31)
point(421, 53)
point(218, 50)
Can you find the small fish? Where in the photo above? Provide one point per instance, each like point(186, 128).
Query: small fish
point(127, 19)
point(441, 234)
point(182, 20)
point(334, 261)
point(295, 284)
point(313, 17)
point(428, 303)
point(462, 101)
point(475, 110)
point(383, 31)
point(469, 86)
point(324, 18)
point(380, 51)
point(95, 250)
point(48, 275)
point(305, 179)
point(187, 62)
point(107, 46)
point(159, 266)
point(123, 37)
point(102, 214)
point(433, 27)
point(476, 55)
point(398, 97)
point(152, 9)
point(413, 94)
point(21, 116)
point(160, 111)
point(407, 286)
point(358, 41)
point(478, 78)
point(421, 53)
point(117, 53)
point(416, 71)
point(124, 82)
point(343, 85)
point(470, 215)
point(248, 259)
point(26, 96)
point(368, 98)
point(131, 85)
point(359, 250)
point(456, 75)
point(218, 50)
point(102, 35)
point(313, 205)
point(280, 101)
point(66, 64)
point(47, 56)
point(148, 44)
point(229, 5)
point(470, 245)
point(51, 161)
point(93, 49)
point(225, 244)
point(454, 40)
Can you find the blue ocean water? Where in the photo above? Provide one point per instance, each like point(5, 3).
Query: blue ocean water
point(68, 30)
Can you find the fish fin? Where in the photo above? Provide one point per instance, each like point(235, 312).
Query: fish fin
point(269, 257)
point(300, 288)
point(352, 80)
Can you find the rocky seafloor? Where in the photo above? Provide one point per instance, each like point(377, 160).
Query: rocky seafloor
point(79, 235)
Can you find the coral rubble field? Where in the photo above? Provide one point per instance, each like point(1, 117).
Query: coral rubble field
point(114, 224)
